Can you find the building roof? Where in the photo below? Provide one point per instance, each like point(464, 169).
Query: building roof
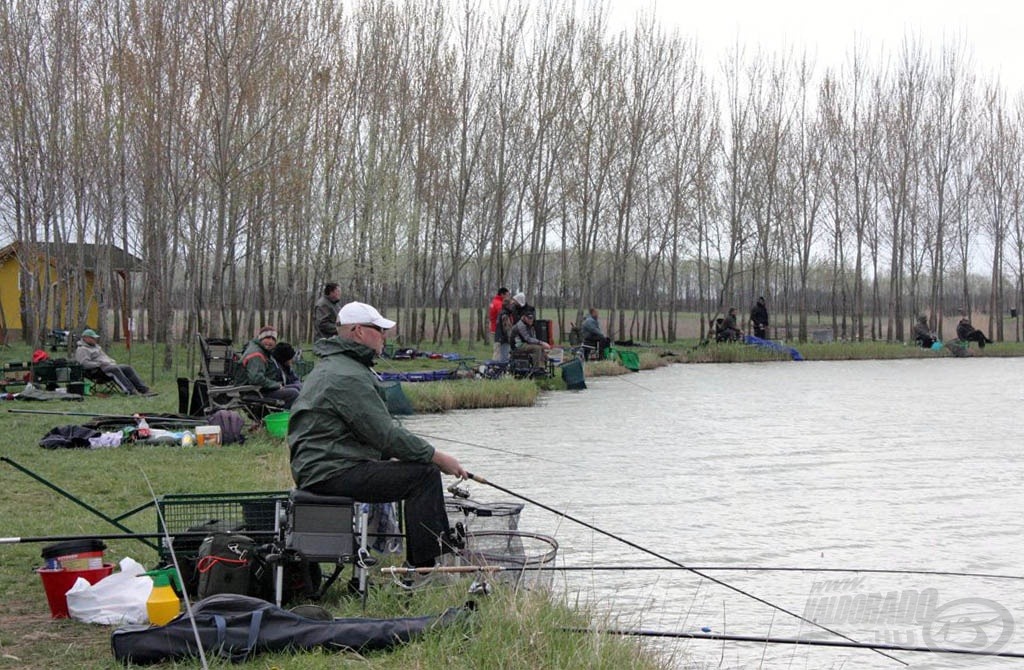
point(119, 259)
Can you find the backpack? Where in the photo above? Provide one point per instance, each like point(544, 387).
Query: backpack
point(226, 563)
point(231, 426)
point(234, 564)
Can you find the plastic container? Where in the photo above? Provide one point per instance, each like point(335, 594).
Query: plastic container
point(208, 436)
point(85, 554)
point(277, 423)
point(163, 603)
point(58, 582)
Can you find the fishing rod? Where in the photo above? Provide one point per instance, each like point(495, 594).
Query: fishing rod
point(124, 536)
point(177, 569)
point(757, 568)
point(115, 522)
point(113, 417)
point(799, 641)
point(480, 446)
point(672, 561)
point(626, 379)
point(660, 568)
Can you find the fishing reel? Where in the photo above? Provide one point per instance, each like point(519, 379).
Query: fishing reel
point(458, 491)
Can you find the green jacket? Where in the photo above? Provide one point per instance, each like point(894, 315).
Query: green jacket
point(257, 369)
point(340, 418)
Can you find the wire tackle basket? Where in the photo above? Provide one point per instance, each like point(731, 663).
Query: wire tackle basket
point(252, 513)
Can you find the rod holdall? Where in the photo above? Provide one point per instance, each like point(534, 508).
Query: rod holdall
point(237, 628)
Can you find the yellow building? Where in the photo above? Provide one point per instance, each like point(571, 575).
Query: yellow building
point(62, 290)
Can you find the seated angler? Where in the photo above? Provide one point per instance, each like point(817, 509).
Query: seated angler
point(525, 333)
point(284, 355)
point(968, 333)
point(923, 335)
point(91, 356)
point(259, 369)
point(343, 441)
point(730, 330)
point(593, 337)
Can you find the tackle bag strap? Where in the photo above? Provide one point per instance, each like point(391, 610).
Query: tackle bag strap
point(254, 634)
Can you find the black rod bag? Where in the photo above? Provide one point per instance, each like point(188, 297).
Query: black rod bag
point(237, 627)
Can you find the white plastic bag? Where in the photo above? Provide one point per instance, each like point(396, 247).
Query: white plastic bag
point(119, 598)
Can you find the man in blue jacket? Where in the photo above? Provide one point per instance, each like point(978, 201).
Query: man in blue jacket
point(343, 441)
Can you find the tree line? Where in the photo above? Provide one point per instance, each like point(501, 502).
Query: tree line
point(423, 153)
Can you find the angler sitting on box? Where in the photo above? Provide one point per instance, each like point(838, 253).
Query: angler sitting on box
point(344, 442)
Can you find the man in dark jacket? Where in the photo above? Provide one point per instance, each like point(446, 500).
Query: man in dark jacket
point(258, 368)
point(325, 313)
point(923, 335)
point(730, 330)
point(759, 319)
point(968, 333)
point(503, 333)
point(343, 441)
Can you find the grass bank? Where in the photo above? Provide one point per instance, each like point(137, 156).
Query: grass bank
point(834, 351)
point(513, 630)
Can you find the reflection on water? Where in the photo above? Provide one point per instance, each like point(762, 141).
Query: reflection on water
point(892, 465)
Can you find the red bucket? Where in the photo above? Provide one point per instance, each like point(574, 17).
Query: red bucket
point(58, 582)
point(81, 554)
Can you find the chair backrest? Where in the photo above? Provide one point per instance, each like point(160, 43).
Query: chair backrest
point(219, 360)
point(575, 335)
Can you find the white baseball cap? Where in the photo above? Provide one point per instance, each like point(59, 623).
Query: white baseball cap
point(360, 312)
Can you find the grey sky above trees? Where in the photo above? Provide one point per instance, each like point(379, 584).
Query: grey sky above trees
point(423, 154)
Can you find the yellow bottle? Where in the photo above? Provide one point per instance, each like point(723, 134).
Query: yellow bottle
point(163, 604)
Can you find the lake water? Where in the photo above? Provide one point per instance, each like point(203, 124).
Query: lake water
point(887, 465)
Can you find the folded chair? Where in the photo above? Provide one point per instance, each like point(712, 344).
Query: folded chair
point(216, 389)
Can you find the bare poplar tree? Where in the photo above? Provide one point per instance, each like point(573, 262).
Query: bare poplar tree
point(949, 115)
point(998, 179)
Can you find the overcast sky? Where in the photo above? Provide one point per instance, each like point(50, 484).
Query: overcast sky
point(992, 29)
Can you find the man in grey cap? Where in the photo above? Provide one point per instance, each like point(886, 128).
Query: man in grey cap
point(344, 442)
point(91, 356)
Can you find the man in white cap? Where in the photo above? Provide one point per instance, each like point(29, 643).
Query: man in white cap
point(343, 441)
point(91, 356)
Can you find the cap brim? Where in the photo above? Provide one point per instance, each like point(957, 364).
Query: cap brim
point(384, 323)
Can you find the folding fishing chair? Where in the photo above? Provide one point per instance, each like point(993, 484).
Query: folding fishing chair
point(102, 382)
point(217, 390)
